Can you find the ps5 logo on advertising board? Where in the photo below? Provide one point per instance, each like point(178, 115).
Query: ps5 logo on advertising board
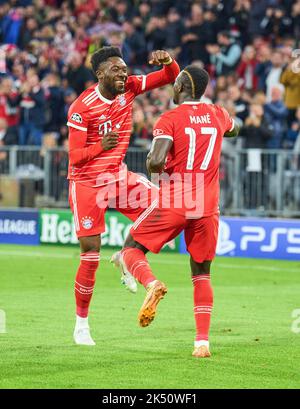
point(259, 239)
point(258, 234)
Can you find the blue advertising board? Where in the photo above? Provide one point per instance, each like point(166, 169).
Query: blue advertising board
point(257, 238)
point(19, 227)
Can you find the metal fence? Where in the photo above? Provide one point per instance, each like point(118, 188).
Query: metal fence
point(253, 182)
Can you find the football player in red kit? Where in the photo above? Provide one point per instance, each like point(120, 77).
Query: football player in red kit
point(100, 122)
point(187, 149)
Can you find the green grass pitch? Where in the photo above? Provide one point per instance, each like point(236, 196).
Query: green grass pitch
point(252, 342)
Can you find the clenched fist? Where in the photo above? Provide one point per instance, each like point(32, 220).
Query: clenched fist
point(160, 57)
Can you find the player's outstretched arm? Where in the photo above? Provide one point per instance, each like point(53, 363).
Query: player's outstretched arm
point(234, 132)
point(166, 75)
point(156, 158)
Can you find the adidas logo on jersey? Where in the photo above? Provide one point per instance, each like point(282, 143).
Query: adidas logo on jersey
point(102, 117)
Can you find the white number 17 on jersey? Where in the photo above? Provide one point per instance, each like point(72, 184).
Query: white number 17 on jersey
point(192, 146)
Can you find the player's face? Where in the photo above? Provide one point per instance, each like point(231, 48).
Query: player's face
point(114, 75)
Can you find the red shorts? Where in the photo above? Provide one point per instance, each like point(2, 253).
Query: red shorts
point(130, 196)
point(157, 226)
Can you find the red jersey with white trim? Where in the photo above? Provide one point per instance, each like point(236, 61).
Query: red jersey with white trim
point(197, 130)
point(91, 116)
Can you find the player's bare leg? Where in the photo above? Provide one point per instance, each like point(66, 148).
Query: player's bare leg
point(133, 256)
point(84, 286)
point(203, 303)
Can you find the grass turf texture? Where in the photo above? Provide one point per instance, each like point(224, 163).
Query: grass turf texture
point(251, 339)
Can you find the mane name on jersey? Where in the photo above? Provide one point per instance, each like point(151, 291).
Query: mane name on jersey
point(202, 119)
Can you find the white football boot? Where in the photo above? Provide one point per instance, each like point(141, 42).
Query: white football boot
point(126, 278)
point(82, 334)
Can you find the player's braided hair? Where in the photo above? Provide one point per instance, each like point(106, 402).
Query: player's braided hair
point(197, 80)
point(102, 55)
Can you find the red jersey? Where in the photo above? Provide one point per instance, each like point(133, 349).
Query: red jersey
point(8, 111)
point(196, 130)
point(91, 116)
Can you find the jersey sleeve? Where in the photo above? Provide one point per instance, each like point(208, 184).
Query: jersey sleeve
point(77, 117)
point(164, 128)
point(79, 153)
point(228, 122)
point(139, 84)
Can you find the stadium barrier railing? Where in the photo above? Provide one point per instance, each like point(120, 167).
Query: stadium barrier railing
point(253, 182)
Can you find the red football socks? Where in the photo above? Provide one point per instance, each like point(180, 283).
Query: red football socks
point(85, 281)
point(203, 303)
point(138, 265)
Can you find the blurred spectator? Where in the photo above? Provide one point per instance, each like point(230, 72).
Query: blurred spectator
point(291, 81)
point(63, 40)
point(276, 114)
point(256, 130)
point(49, 142)
point(257, 17)
point(263, 66)
point(241, 106)
point(9, 108)
point(277, 22)
point(6, 135)
point(121, 12)
point(11, 24)
point(55, 102)
point(198, 33)
point(296, 17)
point(33, 104)
point(28, 32)
point(246, 69)
point(230, 107)
point(69, 97)
point(239, 19)
point(174, 31)
point(140, 132)
point(229, 144)
point(3, 133)
point(143, 14)
point(293, 133)
point(273, 77)
point(78, 76)
point(85, 6)
point(136, 44)
point(82, 41)
point(156, 33)
point(224, 56)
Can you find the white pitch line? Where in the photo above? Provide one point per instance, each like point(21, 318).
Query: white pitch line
point(167, 262)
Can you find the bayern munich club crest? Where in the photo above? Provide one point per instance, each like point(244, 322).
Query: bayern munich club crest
point(122, 100)
point(87, 222)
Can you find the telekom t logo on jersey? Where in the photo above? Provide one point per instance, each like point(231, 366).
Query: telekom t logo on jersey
point(105, 127)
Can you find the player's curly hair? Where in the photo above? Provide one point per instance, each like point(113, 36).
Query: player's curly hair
point(102, 55)
point(196, 80)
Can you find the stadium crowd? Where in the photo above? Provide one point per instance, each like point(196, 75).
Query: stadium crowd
point(248, 47)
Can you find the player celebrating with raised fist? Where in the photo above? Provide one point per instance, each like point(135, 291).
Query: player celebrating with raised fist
point(100, 122)
point(187, 148)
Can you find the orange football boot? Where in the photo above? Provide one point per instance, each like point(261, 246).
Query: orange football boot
point(201, 352)
point(155, 293)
